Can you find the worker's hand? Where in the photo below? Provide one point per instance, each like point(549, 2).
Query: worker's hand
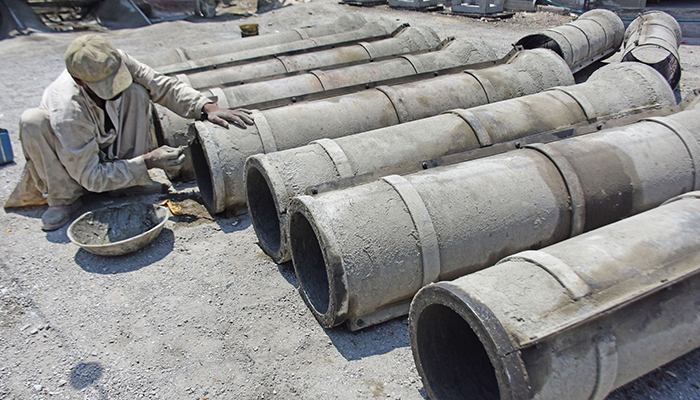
point(220, 116)
point(166, 158)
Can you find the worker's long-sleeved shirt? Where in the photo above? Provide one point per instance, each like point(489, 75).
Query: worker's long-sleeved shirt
point(78, 123)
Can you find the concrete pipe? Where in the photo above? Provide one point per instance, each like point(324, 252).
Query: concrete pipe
point(575, 320)
point(220, 154)
point(372, 31)
point(410, 40)
point(273, 179)
point(653, 38)
point(456, 53)
point(360, 254)
point(344, 23)
point(593, 36)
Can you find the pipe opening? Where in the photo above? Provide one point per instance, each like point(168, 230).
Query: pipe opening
point(309, 264)
point(202, 172)
point(263, 211)
point(540, 42)
point(668, 67)
point(454, 361)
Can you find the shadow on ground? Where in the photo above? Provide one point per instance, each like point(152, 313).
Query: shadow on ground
point(150, 254)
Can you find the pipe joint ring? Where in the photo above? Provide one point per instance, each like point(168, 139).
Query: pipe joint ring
point(482, 134)
point(430, 251)
point(415, 63)
point(371, 51)
point(561, 271)
point(401, 112)
point(264, 132)
point(691, 142)
point(181, 53)
point(221, 99)
point(302, 33)
point(338, 157)
point(322, 77)
point(586, 106)
point(573, 185)
point(486, 86)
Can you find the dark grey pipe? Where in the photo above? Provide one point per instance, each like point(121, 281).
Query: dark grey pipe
point(612, 92)
point(593, 36)
point(653, 38)
point(573, 321)
point(360, 254)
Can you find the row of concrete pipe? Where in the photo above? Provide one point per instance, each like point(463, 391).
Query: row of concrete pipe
point(219, 154)
point(361, 112)
point(574, 320)
point(565, 321)
point(409, 40)
point(267, 93)
point(361, 253)
point(273, 179)
point(189, 57)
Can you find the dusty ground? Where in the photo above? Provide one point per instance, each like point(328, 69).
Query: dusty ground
point(202, 312)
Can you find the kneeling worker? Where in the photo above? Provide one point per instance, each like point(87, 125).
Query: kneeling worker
point(93, 130)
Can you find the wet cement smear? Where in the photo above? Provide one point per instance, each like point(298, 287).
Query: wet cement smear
point(114, 224)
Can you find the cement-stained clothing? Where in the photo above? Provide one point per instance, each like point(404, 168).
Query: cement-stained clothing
point(68, 149)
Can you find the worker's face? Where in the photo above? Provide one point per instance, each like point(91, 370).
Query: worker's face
point(92, 94)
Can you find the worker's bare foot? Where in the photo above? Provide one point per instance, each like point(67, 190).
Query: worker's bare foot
point(57, 216)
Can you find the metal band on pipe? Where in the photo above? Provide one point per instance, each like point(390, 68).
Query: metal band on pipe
point(561, 271)
point(691, 142)
point(588, 41)
point(486, 86)
point(430, 251)
point(221, 99)
point(302, 33)
point(482, 135)
point(371, 52)
point(322, 78)
point(288, 67)
point(337, 155)
point(183, 57)
point(586, 106)
point(573, 185)
point(401, 113)
point(264, 132)
point(606, 366)
point(565, 41)
point(415, 63)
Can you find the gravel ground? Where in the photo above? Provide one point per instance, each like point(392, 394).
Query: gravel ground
point(202, 313)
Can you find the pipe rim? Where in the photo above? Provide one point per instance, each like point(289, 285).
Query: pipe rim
point(317, 264)
point(210, 180)
point(476, 321)
point(267, 203)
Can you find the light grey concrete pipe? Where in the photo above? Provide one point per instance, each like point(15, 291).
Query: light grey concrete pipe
point(593, 36)
point(344, 23)
point(573, 321)
point(219, 154)
point(360, 254)
point(653, 38)
point(463, 52)
point(273, 179)
point(410, 40)
point(370, 32)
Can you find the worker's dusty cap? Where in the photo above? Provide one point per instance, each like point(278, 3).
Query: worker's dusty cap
point(99, 64)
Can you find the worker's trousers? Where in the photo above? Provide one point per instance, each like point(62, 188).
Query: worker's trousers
point(45, 179)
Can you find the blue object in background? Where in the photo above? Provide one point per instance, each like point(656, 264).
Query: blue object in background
point(6, 155)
